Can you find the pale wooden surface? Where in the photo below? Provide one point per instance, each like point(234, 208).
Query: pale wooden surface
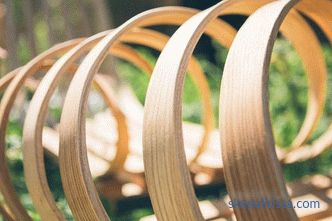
point(18, 77)
point(244, 118)
point(34, 172)
point(89, 206)
point(170, 173)
point(159, 146)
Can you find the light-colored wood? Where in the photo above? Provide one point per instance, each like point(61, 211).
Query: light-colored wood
point(163, 104)
point(33, 151)
point(88, 206)
point(94, 61)
point(7, 100)
point(17, 77)
point(157, 41)
point(124, 52)
point(167, 174)
point(315, 69)
point(320, 13)
point(34, 173)
point(247, 139)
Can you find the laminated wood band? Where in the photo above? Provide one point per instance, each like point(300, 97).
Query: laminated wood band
point(313, 62)
point(320, 13)
point(157, 41)
point(33, 154)
point(166, 173)
point(87, 192)
point(6, 186)
point(33, 151)
point(17, 78)
point(252, 171)
point(316, 96)
point(79, 189)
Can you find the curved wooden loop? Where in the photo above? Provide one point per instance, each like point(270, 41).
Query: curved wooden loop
point(34, 170)
point(14, 79)
point(161, 150)
point(311, 56)
point(17, 78)
point(245, 124)
point(157, 41)
point(7, 101)
point(89, 206)
point(87, 68)
point(4, 83)
point(320, 14)
point(120, 51)
point(33, 126)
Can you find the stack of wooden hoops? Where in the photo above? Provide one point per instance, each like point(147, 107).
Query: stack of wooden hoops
point(250, 163)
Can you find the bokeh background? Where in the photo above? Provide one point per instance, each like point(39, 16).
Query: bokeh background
point(29, 27)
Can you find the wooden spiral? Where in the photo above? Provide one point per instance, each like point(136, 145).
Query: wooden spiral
point(250, 164)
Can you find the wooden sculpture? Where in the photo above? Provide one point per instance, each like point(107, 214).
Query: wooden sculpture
point(250, 163)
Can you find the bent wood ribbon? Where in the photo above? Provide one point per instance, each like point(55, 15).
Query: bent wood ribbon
point(32, 171)
point(33, 154)
point(36, 178)
point(81, 165)
point(7, 100)
point(163, 155)
point(89, 206)
point(317, 94)
point(15, 86)
point(246, 144)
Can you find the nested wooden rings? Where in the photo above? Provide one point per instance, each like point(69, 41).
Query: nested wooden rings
point(88, 206)
point(34, 165)
point(166, 173)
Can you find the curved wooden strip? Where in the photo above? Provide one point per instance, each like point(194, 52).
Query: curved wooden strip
point(314, 66)
point(311, 56)
point(320, 13)
point(88, 206)
point(7, 100)
point(22, 75)
point(164, 157)
point(33, 151)
point(124, 52)
point(158, 146)
point(244, 118)
point(78, 166)
point(158, 41)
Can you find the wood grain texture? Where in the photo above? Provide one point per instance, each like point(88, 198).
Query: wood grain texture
point(33, 126)
point(299, 33)
point(7, 101)
point(14, 81)
point(247, 139)
point(82, 196)
point(96, 62)
point(163, 153)
point(168, 179)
